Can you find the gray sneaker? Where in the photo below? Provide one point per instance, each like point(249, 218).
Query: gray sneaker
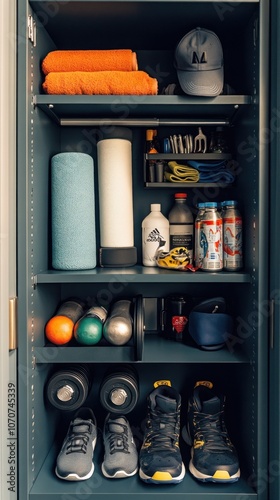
point(120, 457)
point(74, 462)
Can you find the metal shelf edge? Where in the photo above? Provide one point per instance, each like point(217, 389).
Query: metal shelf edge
point(140, 274)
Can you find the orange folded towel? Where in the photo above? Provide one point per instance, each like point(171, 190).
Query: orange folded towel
point(90, 60)
point(101, 82)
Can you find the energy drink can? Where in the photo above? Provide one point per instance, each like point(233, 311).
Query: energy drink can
point(198, 250)
point(232, 237)
point(211, 238)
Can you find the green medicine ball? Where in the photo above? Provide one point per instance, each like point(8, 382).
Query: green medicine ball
point(88, 331)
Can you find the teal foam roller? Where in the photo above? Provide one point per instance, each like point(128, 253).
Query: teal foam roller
point(73, 212)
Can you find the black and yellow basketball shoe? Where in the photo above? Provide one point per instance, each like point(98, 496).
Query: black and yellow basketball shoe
point(160, 457)
point(213, 456)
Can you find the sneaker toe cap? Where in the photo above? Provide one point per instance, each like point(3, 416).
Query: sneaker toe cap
point(67, 469)
point(161, 462)
point(209, 463)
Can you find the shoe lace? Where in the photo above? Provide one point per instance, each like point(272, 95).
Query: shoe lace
point(78, 440)
point(211, 430)
point(118, 441)
point(163, 429)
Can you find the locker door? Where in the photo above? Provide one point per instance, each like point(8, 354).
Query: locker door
point(8, 441)
point(273, 473)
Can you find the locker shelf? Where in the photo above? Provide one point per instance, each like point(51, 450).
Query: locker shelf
point(166, 157)
point(139, 274)
point(47, 486)
point(87, 354)
point(156, 350)
point(80, 109)
point(189, 156)
point(186, 185)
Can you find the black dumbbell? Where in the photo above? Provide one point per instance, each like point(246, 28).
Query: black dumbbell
point(68, 388)
point(119, 390)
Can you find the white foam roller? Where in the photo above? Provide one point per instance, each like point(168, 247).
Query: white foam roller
point(114, 159)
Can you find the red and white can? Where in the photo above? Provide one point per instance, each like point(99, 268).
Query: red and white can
point(232, 237)
point(211, 238)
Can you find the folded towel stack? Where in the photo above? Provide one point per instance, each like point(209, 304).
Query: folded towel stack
point(200, 171)
point(106, 72)
point(213, 171)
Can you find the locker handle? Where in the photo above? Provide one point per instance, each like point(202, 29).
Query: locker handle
point(12, 323)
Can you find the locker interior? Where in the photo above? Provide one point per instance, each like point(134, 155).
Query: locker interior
point(153, 30)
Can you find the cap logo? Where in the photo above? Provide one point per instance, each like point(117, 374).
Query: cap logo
point(195, 58)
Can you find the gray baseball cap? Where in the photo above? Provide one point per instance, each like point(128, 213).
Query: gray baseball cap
point(199, 63)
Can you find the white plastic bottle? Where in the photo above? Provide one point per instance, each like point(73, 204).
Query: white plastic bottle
point(155, 235)
point(181, 224)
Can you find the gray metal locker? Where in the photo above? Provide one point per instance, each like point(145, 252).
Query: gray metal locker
point(8, 355)
point(49, 124)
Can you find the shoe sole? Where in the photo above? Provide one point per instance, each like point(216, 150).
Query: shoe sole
point(161, 477)
point(220, 476)
point(119, 474)
point(75, 477)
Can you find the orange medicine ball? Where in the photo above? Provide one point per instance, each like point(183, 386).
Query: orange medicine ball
point(59, 330)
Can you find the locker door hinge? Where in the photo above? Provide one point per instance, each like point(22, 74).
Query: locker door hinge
point(12, 323)
point(31, 30)
point(271, 324)
point(256, 32)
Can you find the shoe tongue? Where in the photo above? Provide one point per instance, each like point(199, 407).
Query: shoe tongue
point(206, 401)
point(211, 406)
point(80, 425)
point(165, 404)
point(116, 426)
